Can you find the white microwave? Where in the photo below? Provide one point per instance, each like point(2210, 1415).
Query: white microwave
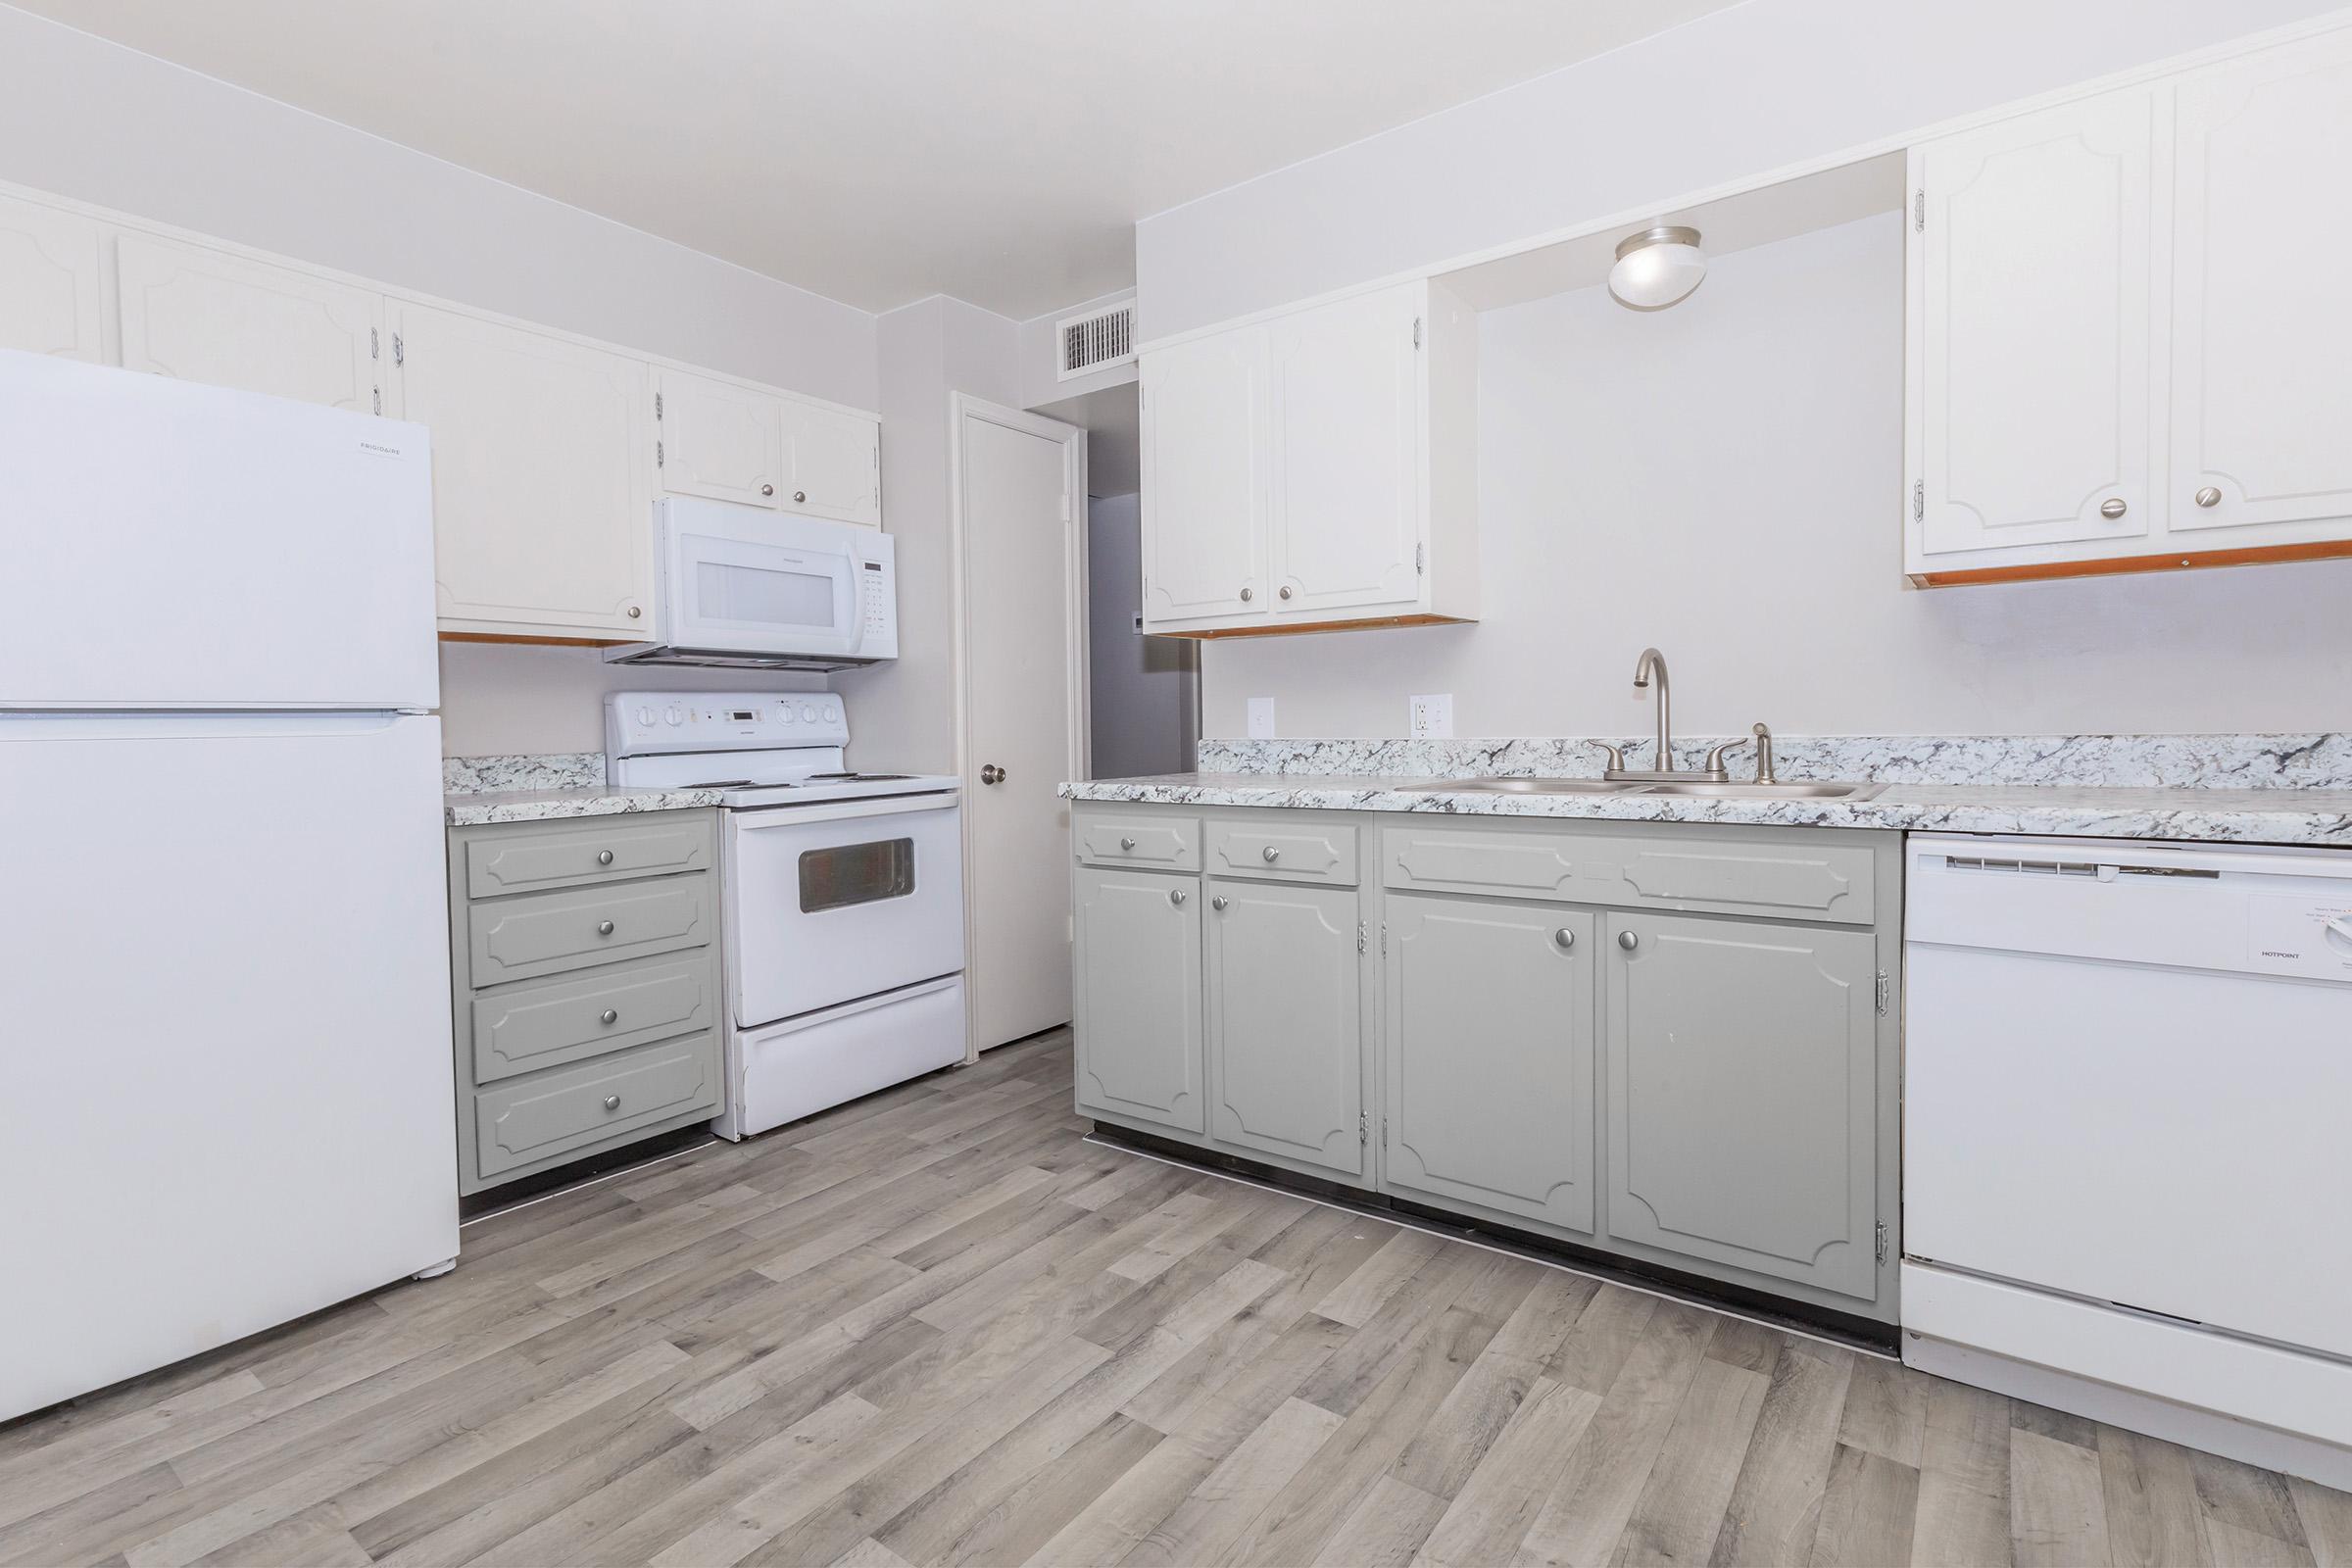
point(747, 589)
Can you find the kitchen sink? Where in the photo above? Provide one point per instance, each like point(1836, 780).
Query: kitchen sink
point(1788, 790)
point(1535, 786)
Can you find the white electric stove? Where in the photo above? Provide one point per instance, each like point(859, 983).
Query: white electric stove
point(841, 895)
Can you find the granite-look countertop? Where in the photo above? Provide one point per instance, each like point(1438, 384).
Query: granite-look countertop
point(2243, 816)
point(471, 809)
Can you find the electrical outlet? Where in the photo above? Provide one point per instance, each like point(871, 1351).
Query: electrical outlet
point(1432, 716)
point(1261, 718)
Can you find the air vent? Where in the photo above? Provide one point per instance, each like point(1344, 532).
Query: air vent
point(1097, 340)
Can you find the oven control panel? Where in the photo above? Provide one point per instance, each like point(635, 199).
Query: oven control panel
point(639, 722)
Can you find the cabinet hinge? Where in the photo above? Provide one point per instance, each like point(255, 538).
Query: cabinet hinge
point(1383, 938)
point(1363, 1128)
point(372, 343)
point(1416, 331)
point(1361, 936)
point(1383, 1132)
point(660, 458)
point(380, 399)
point(1919, 213)
point(1885, 992)
point(1919, 499)
point(400, 350)
point(1420, 559)
point(656, 406)
point(1882, 1240)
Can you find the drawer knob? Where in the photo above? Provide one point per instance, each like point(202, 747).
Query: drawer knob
point(1126, 844)
point(1217, 903)
point(1272, 855)
point(610, 1016)
point(611, 1101)
point(604, 857)
point(604, 928)
point(2112, 506)
point(2209, 497)
point(1628, 941)
point(1176, 896)
point(1564, 937)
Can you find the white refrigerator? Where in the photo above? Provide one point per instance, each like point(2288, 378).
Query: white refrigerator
point(224, 1028)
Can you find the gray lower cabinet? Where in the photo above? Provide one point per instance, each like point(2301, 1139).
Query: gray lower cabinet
point(1137, 963)
point(1285, 1029)
point(1743, 1096)
point(587, 1007)
point(1487, 1051)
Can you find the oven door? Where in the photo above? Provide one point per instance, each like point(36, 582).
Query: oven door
point(826, 904)
point(742, 581)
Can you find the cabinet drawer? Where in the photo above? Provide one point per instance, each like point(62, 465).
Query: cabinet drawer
point(1283, 851)
point(572, 1109)
point(546, 1025)
point(1166, 843)
point(547, 933)
point(576, 853)
point(1808, 878)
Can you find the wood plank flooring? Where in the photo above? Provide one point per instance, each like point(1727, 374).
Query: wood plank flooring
point(935, 1327)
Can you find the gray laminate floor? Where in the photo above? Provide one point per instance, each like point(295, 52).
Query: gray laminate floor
point(935, 1327)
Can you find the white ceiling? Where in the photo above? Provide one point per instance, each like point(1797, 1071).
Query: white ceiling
point(878, 151)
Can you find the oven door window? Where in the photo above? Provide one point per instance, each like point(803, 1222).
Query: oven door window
point(787, 601)
point(856, 873)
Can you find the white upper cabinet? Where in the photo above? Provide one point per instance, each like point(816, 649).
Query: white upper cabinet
point(2033, 368)
point(2261, 320)
point(207, 316)
point(52, 281)
point(1204, 502)
point(542, 476)
point(2126, 331)
point(1313, 471)
point(832, 464)
point(1348, 452)
point(720, 440)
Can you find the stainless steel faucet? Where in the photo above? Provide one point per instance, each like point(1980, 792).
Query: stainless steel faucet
point(1653, 667)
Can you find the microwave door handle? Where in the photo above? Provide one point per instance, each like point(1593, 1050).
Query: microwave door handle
point(856, 608)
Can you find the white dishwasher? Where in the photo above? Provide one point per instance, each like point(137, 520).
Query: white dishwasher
point(2127, 1130)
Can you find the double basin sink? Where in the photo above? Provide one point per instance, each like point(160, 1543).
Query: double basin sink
point(1788, 790)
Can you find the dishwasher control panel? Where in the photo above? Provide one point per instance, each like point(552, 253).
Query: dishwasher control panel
point(2301, 934)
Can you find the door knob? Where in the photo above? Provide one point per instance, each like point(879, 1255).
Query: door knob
point(767, 489)
point(2209, 497)
point(604, 857)
point(609, 1016)
point(991, 773)
point(1176, 896)
point(1628, 941)
point(1564, 937)
point(2112, 506)
point(604, 928)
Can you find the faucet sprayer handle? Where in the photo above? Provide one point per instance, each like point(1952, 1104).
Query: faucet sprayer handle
point(1764, 773)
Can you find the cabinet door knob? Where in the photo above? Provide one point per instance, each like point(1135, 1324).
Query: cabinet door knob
point(1246, 596)
point(1176, 896)
point(800, 495)
point(767, 489)
point(1628, 941)
point(1217, 903)
point(1286, 591)
point(635, 612)
point(1126, 844)
point(1564, 937)
point(2112, 506)
point(604, 857)
point(610, 1016)
point(611, 1101)
point(1271, 854)
point(2209, 497)
point(604, 928)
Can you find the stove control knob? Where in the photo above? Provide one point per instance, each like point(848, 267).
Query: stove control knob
point(832, 712)
point(645, 715)
point(676, 716)
point(785, 713)
point(808, 712)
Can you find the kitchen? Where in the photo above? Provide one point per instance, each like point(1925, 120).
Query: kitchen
point(1784, 1147)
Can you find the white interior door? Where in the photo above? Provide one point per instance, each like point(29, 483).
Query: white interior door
point(2261, 325)
point(1018, 480)
point(206, 316)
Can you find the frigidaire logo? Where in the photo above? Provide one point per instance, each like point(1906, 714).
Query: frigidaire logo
point(379, 449)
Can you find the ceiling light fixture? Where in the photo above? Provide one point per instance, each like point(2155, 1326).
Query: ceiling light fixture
point(1657, 267)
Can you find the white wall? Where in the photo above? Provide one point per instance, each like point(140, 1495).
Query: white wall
point(92, 120)
point(1734, 94)
point(1723, 479)
point(1142, 689)
point(903, 715)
